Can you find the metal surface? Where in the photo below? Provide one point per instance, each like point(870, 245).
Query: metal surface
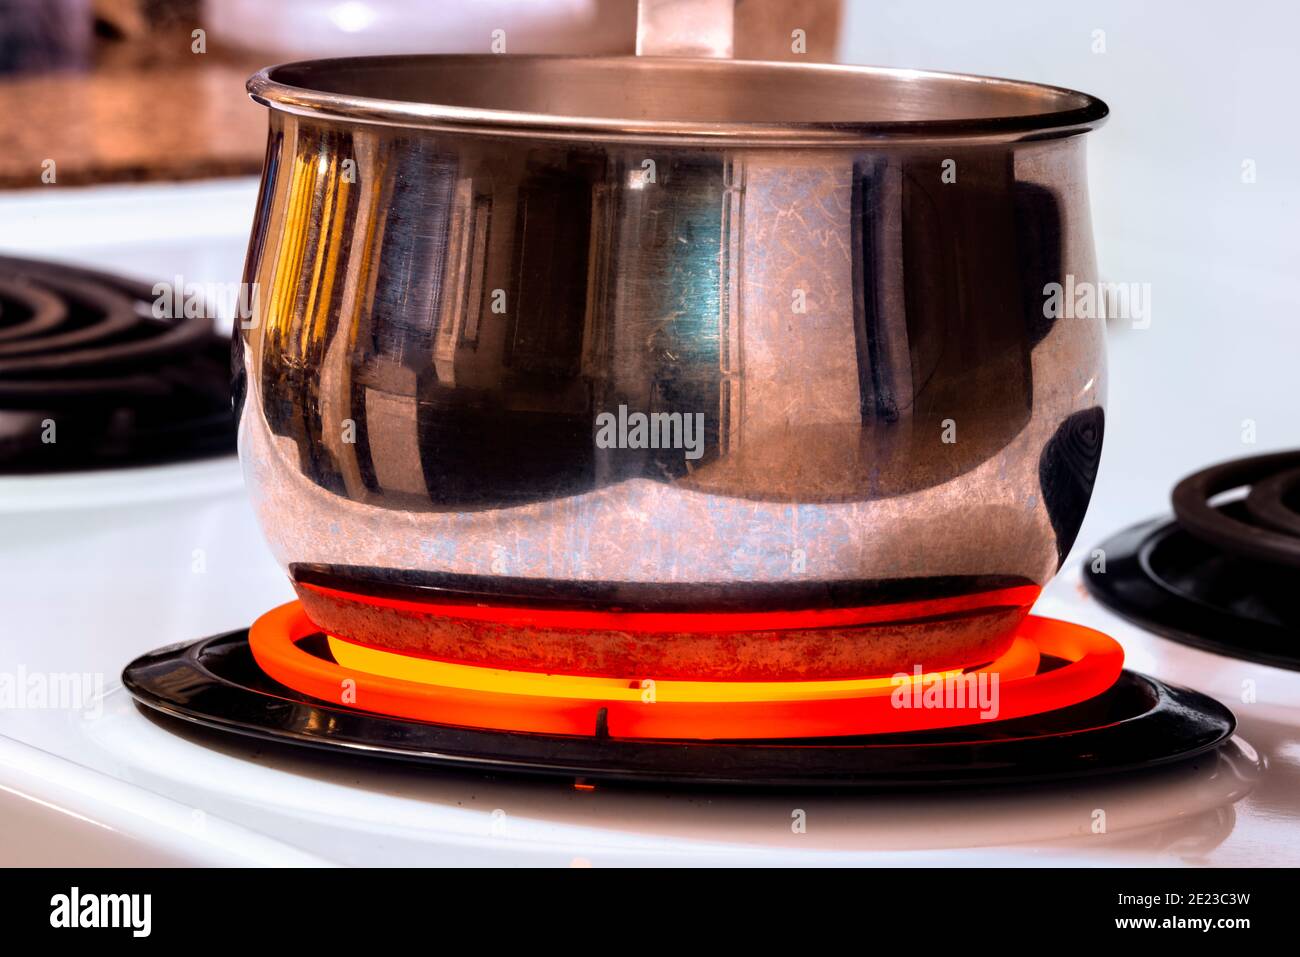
point(838, 273)
point(673, 100)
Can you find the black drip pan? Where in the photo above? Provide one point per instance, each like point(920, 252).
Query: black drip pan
point(1138, 723)
point(1167, 580)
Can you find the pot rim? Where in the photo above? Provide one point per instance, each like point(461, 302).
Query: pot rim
point(1051, 111)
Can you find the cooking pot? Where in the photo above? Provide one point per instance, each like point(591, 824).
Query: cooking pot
point(669, 366)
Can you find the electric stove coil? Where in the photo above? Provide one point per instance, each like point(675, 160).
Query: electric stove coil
point(1136, 723)
point(90, 378)
point(1220, 576)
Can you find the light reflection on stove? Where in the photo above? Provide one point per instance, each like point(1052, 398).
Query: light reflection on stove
point(1183, 813)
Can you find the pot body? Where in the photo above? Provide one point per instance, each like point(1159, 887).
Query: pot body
point(659, 376)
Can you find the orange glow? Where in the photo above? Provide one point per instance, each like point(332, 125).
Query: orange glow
point(468, 696)
point(1020, 659)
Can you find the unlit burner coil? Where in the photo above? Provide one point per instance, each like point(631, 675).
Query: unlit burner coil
point(89, 378)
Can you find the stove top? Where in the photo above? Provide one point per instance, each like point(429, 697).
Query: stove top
point(117, 564)
point(1136, 724)
point(109, 781)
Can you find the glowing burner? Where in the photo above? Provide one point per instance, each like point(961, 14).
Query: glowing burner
point(639, 707)
point(802, 631)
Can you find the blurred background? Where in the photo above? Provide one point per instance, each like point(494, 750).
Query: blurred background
point(127, 144)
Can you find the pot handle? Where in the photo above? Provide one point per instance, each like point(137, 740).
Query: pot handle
point(701, 28)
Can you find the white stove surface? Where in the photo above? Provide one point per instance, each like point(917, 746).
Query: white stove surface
point(97, 569)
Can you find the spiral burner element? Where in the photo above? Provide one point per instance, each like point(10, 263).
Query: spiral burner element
point(90, 379)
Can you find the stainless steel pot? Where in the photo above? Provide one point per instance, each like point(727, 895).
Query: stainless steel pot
point(486, 283)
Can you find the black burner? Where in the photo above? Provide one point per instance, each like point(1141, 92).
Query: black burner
point(82, 350)
point(1138, 723)
point(1218, 577)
